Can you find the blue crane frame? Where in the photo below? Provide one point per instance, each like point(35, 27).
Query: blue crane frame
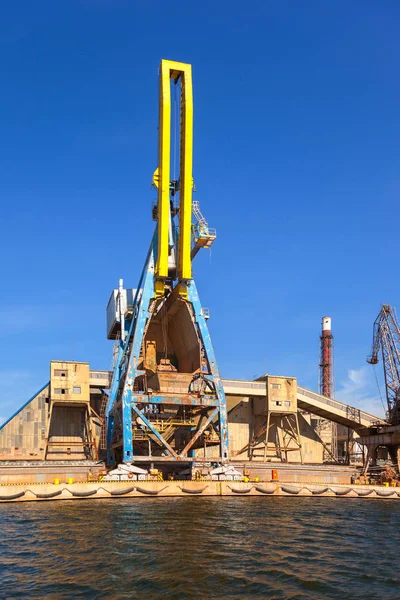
point(157, 283)
point(126, 370)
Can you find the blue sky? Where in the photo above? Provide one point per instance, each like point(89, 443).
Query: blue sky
point(296, 164)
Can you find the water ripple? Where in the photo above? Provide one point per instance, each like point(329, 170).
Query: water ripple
point(207, 548)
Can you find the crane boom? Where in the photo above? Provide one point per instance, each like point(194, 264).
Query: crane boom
point(182, 73)
point(386, 338)
point(166, 401)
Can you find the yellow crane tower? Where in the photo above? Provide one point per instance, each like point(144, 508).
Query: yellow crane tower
point(166, 402)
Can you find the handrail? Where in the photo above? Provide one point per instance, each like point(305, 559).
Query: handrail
point(100, 374)
point(246, 384)
point(350, 411)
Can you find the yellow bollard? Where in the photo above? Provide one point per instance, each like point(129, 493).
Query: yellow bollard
point(57, 482)
point(386, 483)
point(70, 480)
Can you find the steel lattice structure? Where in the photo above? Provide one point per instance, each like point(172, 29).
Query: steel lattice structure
point(386, 338)
point(166, 402)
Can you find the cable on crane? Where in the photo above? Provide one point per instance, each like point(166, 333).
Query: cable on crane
point(379, 390)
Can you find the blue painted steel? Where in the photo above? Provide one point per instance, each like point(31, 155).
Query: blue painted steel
point(200, 430)
point(193, 297)
point(158, 435)
point(187, 401)
point(126, 370)
point(128, 358)
point(144, 294)
point(132, 371)
point(109, 414)
point(24, 405)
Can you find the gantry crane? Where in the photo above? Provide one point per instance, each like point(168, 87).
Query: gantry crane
point(387, 339)
point(166, 401)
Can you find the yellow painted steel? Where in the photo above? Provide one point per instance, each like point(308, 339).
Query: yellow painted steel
point(186, 179)
point(164, 167)
point(161, 179)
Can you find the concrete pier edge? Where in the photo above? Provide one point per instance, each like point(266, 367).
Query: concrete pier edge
point(185, 488)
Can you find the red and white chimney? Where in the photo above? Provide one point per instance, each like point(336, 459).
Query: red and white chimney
point(326, 359)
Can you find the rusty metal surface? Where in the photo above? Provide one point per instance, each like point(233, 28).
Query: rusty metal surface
point(150, 360)
point(171, 382)
point(182, 399)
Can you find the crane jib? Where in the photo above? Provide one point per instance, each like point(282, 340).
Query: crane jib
point(182, 73)
point(386, 339)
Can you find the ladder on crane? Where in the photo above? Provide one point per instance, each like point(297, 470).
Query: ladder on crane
point(203, 236)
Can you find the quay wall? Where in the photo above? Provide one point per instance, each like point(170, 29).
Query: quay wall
point(164, 489)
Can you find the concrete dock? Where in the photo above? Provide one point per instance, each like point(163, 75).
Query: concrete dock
point(151, 489)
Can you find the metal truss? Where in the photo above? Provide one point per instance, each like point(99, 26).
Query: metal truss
point(127, 404)
point(387, 339)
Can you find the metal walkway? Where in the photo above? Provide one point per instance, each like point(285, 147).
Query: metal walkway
point(309, 401)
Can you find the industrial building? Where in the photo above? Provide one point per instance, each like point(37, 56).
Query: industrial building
point(58, 423)
point(62, 420)
point(165, 403)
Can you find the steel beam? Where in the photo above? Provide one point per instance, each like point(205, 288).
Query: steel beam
point(184, 401)
point(199, 432)
point(186, 178)
point(159, 279)
point(164, 177)
point(213, 365)
point(166, 459)
point(154, 431)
